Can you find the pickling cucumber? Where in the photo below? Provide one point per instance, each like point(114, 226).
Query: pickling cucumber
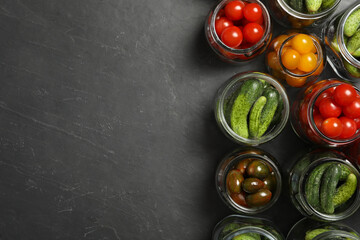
point(356, 53)
point(352, 23)
point(345, 191)
point(345, 171)
point(249, 92)
point(255, 113)
point(313, 5)
point(328, 187)
point(327, 4)
point(246, 236)
point(354, 43)
point(351, 69)
point(297, 5)
point(269, 110)
point(312, 186)
point(313, 233)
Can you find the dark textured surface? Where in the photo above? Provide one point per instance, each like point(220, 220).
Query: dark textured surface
point(107, 129)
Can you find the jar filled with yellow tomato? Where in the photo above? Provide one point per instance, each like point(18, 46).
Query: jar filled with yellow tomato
point(296, 58)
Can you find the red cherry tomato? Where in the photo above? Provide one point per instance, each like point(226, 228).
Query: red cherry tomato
point(252, 12)
point(331, 127)
point(353, 109)
point(348, 127)
point(344, 94)
point(253, 32)
point(328, 108)
point(321, 97)
point(232, 37)
point(357, 121)
point(318, 119)
point(260, 21)
point(234, 10)
point(221, 24)
point(220, 14)
point(330, 90)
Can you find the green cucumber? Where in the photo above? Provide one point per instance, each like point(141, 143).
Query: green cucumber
point(312, 186)
point(313, 5)
point(249, 92)
point(345, 191)
point(313, 233)
point(352, 23)
point(297, 5)
point(279, 111)
point(329, 182)
point(356, 53)
point(345, 171)
point(354, 71)
point(244, 236)
point(269, 110)
point(327, 4)
point(354, 43)
point(255, 114)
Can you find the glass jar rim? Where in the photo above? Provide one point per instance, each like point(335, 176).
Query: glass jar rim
point(335, 233)
point(267, 30)
point(328, 217)
point(269, 160)
point(318, 61)
point(227, 86)
point(250, 229)
point(341, 40)
point(310, 116)
point(306, 16)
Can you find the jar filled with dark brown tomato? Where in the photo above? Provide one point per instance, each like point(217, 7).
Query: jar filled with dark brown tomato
point(327, 113)
point(248, 180)
point(238, 31)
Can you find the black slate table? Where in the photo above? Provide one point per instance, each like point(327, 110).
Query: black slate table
point(107, 128)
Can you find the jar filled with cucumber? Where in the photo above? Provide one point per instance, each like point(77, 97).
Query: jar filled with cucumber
point(342, 38)
point(237, 227)
point(308, 229)
point(324, 185)
point(248, 180)
point(302, 13)
point(251, 108)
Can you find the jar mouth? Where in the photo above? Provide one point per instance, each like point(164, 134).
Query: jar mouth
point(223, 93)
point(306, 16)
point(341, 40)
point(229, 166)
point(250, 229)
point(335, 233)
point(316, 130)
point(319, 57)
point(352, 207)
point(267, 30)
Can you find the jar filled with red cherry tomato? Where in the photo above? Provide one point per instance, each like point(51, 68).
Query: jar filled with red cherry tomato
point(295, 58)
point(328, 113)
point(248, 180)
point(238, 30)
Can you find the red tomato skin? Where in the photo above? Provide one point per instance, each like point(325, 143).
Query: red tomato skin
point(221, 24)
point(232, 36)
point(253, 32)
point(357, 121)
point(318, 119)
point(330, 90)
point(321, 97)
point(220, 14)
point(328, 108)
point(344, 94)
point(234, 10)
point(331, 127)
point(348, 127)
point(252, 12)
point(260, 21)
point(353, 109)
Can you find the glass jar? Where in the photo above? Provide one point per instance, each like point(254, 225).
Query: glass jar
point(236, 55)
point(299, 184)
point(290, 18)
point(226, 96)
point(296, 77)
point(303, 111)
point(308, 229)
point(243, 161)
point(345, 65)
point(234, 226)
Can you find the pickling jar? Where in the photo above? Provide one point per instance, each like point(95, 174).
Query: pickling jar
point(302, 170)
point(234, 226)
point(236, 55)
point(345, 65)
point(290, 18)
point(239, 202)
point(309, 229)
point(302, 115)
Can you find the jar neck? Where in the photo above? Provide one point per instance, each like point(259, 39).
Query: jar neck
point(250, 229)
point(306, 16)
point(341, 40)
point(255, 47)
point(336, 234)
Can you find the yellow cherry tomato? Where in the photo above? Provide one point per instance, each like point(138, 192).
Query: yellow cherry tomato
point(296, 81)
point(308, 62)
point(273, 61)
point(302, 43)
point(290, 59)
point(276, 43)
